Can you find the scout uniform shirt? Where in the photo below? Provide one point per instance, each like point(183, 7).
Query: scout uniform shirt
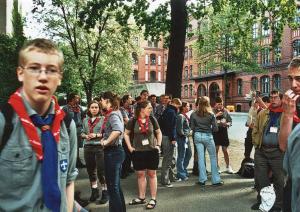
point(20, 171)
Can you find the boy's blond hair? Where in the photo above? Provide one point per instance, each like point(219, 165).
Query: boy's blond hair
point(41, 45)
point(176, 101)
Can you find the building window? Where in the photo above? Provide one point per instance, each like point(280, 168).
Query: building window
point(296, 48)
point(201, 90)
point(152, 76)
point(265, 84)
point(265, 57)
point(190, 52)
point(240, 87)
point(146, 75)
point(185, 52)
point(134, 58)
point(205, 68)
point(255, 30)
point(153, 59)
point(191, 71)
point(166, 59)
point(155, 44)
point(254, 83)
point(146, 59)
point(186, 90)
point(265, 30)
point(191, 90)
point(277, 55)
point(135, 75)
point(277, 82)
point(159, 60)
point(186, 72)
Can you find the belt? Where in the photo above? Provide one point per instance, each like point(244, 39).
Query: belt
point(112, 147)
point(270, 146)
point(92, 145)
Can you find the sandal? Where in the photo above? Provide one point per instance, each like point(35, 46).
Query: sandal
point(137, 201)
point(151, 204)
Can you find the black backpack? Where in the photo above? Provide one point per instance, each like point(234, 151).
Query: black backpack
point(247, 168)
point(8, 112)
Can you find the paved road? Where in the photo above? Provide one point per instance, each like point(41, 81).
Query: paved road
point(236, 195)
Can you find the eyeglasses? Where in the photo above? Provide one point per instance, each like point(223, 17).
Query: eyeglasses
point(37, 70)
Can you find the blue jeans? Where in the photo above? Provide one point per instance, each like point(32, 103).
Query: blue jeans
point(205, 140)
point(113, 159)
point(184, 156)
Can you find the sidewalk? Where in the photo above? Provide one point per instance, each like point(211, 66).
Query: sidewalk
point(236, 194)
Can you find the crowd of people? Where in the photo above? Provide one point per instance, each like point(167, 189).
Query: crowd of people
point(40, 141)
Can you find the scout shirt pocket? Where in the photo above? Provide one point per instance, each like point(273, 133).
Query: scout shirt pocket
point(17, 167)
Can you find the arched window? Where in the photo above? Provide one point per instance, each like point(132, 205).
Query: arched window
point(277, 82)
point(265, 84)
point(254, 83)
point(191, 90)
point(135, 75)
point(296, 48)
point(153, 59)
point(186, 90)
point(186, 52)
point(186, 72)
point(239, 87)
point(134, 58)
point(152, 76)
point(201, 90)
point(191, 71)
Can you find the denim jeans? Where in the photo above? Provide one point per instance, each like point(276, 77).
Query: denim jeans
point(202, 141)
point(184, 156)
point(113, 159)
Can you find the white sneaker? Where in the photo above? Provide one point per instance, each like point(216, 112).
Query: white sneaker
point(229, 170)
point(219, 170)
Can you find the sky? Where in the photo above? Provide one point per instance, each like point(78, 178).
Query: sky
point(31, 29)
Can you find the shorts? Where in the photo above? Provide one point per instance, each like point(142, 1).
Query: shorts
point(221, 137)
point(142, 160)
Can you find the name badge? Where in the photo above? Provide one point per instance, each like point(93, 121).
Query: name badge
point(145, 142)
point(273, 129)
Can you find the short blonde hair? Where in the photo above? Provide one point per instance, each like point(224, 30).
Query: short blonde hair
point(176, 101)
point(41, 45)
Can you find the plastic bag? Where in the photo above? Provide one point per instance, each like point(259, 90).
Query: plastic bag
point(268, 197)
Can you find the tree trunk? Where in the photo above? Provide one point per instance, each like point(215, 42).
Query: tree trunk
point(176, 48)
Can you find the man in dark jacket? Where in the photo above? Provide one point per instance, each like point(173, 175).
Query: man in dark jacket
point(168, 127)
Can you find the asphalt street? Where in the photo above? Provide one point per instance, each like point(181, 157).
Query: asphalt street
point(235, 195)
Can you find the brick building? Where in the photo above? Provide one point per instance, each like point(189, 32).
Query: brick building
point(149, 67)
point(197, 81)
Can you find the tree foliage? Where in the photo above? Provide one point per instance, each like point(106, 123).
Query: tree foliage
point(97, 46)
point(9, 48)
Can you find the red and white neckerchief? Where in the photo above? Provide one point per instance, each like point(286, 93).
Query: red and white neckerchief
point(106, 116)
point(17, 103)
point(187, 118)
point(92, 124)
point(296, 119)
point(143, 127)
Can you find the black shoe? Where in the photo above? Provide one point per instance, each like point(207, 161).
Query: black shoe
point(255, 206)
point(200, 184)
point(104, 197)
point(95, 194)
point(218, 184)
point(81, 202)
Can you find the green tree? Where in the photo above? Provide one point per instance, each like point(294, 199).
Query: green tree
point(9, 48)
point(99, 46)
